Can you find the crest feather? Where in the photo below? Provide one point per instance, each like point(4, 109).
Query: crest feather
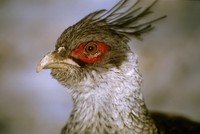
point(124, 17)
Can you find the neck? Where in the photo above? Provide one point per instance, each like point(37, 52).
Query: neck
point(116, 105)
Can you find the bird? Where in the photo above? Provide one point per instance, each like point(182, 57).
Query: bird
point(94, 61)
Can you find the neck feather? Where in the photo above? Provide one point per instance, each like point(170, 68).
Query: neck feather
point(111, 102)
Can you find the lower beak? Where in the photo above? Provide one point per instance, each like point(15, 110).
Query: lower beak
point(54, 60)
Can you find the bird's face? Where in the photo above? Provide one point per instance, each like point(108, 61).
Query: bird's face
point(79, 51)
point(96, 43)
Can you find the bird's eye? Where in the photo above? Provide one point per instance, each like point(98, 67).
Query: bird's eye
point(91, 48)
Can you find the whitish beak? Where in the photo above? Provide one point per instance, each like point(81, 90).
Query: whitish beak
point(54, 60)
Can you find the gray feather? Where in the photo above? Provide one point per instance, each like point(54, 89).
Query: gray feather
point(125, 17)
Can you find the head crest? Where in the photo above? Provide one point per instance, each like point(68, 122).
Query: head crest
point(124, 17)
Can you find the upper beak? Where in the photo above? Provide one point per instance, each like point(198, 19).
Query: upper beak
point(54, 60)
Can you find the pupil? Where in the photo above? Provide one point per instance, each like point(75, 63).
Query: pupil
point(91, 48)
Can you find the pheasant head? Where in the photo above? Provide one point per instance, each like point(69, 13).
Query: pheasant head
point(94, 61)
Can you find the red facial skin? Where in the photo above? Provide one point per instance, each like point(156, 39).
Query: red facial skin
point(90, 52)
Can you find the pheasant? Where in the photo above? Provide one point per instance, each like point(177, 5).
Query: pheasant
point(93, 60)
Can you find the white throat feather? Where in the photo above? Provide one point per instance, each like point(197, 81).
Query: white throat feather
point(110, 102)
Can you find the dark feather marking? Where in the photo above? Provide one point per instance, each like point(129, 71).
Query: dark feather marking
point(79, 62)
point(168, 124)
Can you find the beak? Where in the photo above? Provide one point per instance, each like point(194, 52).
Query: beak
point(54, 60)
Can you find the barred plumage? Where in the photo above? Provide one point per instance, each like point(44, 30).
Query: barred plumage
point(94, 61)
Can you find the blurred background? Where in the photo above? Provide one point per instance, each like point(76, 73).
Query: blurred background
point(32, 103)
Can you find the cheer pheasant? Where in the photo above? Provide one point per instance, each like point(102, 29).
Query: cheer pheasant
point(94, 61)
